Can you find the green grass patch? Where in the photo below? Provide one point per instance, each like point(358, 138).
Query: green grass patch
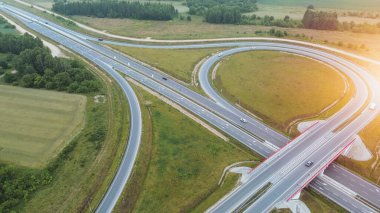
point(37, 124)
point(178, 179)
point(229, 183)
point(177, 63)
point(318, 204)
point(278, 87)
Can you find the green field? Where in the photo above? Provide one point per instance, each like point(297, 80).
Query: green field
point(278, 87)
point(178, 178)
point(337, 4)
point(178, 63)
point(37, 124)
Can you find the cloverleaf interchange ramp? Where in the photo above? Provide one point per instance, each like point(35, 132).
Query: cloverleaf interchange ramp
point(192, 101)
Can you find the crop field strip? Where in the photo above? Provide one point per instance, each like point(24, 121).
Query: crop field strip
point(35, 124)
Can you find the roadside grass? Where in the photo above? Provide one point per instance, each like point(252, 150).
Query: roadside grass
point(186, 161)
point(42, 3)
point(82, 175)
point(278, 87)
point(177, 63)
point(37, 124)
point(134, 186)
point(318, 204)
point(229, 183)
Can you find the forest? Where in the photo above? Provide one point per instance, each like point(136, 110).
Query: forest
point(35, 67)
point(221, 11)
point(117, 9)
point(200, 7)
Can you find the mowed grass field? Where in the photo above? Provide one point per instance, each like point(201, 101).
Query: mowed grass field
point(278, 87)
point(177, 63)
point(36, 124)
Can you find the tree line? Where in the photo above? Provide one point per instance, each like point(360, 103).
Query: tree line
point(223, 14)
point(221, 11)
point(117, 9)
point(320, 20)
point(200, 7)
point(35, 67)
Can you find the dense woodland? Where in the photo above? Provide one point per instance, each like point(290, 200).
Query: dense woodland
point(117, 9)
point(35, 67)
point(200, 7)
point(223, 14)
point(221, 11)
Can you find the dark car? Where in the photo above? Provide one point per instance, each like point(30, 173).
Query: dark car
point(100, 39)
point(309, 163)
point(164, 78)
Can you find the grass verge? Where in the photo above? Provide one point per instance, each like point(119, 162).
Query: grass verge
point(229, 183)
point(318, 204)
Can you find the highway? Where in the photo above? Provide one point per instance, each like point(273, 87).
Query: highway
point(169, 88)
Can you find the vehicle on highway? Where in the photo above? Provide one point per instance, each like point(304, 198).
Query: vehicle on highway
point(100, 39)
point(309, 163)
point(243, 120)
point(220, 55)
point(372, 106)
point(163, 78)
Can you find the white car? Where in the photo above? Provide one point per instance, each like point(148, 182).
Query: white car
point(220, 54)
point(243, 120)
point(372, 106)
